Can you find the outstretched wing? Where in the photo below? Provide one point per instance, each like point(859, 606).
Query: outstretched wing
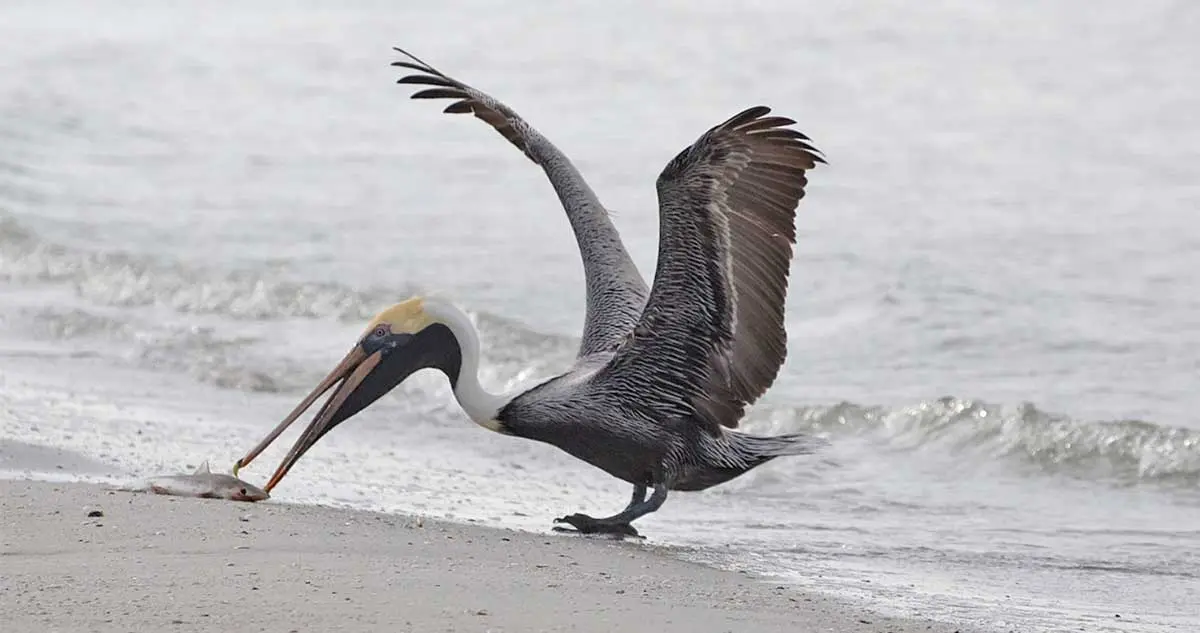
point(616, 292)
point(711, 339)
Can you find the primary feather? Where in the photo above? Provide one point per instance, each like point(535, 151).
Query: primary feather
point(712, 336)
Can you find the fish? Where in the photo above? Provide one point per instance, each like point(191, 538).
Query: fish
point(206, 484)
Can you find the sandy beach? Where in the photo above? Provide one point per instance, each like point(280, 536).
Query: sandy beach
point(156, 563)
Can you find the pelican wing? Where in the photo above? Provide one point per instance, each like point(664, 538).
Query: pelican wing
point(616, 292)
point(711, 339)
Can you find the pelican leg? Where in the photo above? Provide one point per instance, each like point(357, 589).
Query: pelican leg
point(618, 523)
point(639, 496)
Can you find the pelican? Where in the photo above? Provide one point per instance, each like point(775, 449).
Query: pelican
point(663, 374)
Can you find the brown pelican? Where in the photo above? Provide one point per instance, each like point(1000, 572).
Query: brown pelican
point(662, 375)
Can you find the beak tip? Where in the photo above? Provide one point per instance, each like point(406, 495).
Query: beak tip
point(350, 373)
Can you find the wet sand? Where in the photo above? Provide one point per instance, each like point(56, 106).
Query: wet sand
point(174, 564)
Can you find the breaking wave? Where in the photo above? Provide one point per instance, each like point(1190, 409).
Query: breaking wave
point(120, 279)
point(1123, 452)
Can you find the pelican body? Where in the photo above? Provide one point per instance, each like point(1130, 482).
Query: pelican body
point(663, 374)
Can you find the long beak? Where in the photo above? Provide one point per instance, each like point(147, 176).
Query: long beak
point(350, 373)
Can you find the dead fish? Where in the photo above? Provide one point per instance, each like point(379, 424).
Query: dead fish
point(206, 484)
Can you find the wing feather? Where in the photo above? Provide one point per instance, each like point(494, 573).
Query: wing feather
point(711, 339)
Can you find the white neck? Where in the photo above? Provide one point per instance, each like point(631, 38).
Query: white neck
point(478, 403)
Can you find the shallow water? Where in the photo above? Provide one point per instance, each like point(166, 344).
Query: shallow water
point(994, 314)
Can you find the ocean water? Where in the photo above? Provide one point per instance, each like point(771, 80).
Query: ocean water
point(994, 315)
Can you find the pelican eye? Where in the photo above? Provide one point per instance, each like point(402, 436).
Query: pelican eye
point(380, 332)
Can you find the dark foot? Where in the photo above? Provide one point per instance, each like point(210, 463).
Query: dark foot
point(585, 524)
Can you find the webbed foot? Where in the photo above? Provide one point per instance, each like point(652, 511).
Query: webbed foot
point(585, 524)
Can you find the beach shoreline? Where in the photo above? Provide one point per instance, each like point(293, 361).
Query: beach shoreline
point(154, 562)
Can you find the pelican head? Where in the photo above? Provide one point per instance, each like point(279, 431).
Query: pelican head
point(410, 336)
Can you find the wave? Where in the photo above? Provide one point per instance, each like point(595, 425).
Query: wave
point(227, 361)
point(1123, 452)
point(122, 279)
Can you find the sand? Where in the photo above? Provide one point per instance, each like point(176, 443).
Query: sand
point(155, 563)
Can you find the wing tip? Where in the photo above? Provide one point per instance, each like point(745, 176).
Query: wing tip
point(410, 56)
point(754, 121)
point(745, 116)
point(417, 64)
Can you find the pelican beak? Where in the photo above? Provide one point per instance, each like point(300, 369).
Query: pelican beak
point(377, 364)
point(353, 369)
point(347, 376)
